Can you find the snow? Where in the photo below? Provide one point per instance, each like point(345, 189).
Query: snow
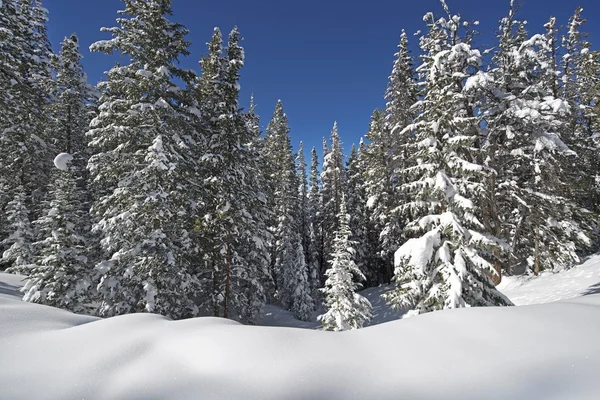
point(548, 287)
point(62, 160)
point(496, 353)
point(537, 351)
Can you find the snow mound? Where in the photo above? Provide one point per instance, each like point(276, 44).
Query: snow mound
point(581, 280)
point(493, 353)
point(62, 161)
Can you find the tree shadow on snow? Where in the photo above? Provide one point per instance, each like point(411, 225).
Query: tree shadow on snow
point(10, 290)
point(594, 289)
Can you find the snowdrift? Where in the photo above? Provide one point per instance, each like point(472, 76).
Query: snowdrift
point(548, 351)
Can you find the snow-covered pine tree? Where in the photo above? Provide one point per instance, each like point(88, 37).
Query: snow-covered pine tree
point(359, 220)
point(333, 187)
point(258, 236)
point(447, 261)
point(19, 251)
point(40, 80)
point(233, 223)
point(381, 196)
point(346, 309)
point(580, 83)
point(141, 140)
point(70, 117)
point(61, 276)
point(22, 109)
point(69, 108)
point(316, 234)
point(289, 269)
point(305, 223)
point(527, 202)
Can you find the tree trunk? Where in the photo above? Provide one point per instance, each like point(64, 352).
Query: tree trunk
point(227, 279)
point(536, 270)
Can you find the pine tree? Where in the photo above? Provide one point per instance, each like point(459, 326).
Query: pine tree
point(316, 233)
point(19, 252)
point(305, 223)
point(580, 83)
point(381, 197)
point(333, 178)
point(233, 225)
point(61, 277)
point(346, 309)
point(359, 222)
point(527, 203)
point(290, 270)
point(447, 261)
point(141, 141)
point(23, 84)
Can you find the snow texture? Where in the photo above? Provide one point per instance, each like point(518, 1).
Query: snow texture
point(548, 287)
point(102, 358)
point(62, 161)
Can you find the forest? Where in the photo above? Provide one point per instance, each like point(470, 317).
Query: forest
point(155, 191)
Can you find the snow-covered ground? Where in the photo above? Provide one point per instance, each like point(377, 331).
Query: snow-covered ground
point(546, 351)
point(579, 281)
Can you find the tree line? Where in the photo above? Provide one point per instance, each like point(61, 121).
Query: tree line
point(175, 202)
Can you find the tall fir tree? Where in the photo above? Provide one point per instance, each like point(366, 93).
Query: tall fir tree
point(527, 202)
point(61, 276)
point(233, 224)
point(24, 55)
point(141, 139)
point(359, 221)
point(316, 228)
point(289, 266)
point(333, 181)
point(446, 262)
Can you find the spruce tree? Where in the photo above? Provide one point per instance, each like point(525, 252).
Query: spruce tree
point(19, 254)
point(141, 141)
point(316, 233)
point(233, 226)
point(346, 309)
point(290, 270)
point(333, 178)
point(527, 202)
point(446, 261)
point(61, 276)
point(359, 222)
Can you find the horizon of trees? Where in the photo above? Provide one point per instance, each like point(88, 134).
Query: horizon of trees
point(176, 203)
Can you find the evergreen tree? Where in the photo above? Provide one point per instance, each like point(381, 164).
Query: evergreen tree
point(141, 139)
point(234, 220)
point(447, 261)
point(346, 309)
point(19, 252)
point(316, 233)
point(333, 178)
point(290, 270)
point(61, 277)
point(381, 197)
point(24, 81)
point(527, 202)
point(356, 198)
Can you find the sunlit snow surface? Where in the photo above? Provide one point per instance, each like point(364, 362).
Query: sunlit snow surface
point(547, 351)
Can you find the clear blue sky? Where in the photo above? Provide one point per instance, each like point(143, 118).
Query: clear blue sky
point(326, 60)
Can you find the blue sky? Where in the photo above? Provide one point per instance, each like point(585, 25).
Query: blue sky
point(327, 60)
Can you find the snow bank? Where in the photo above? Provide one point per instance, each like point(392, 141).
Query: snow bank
point(62, 160)
point(492, 353)
point(581, 280)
